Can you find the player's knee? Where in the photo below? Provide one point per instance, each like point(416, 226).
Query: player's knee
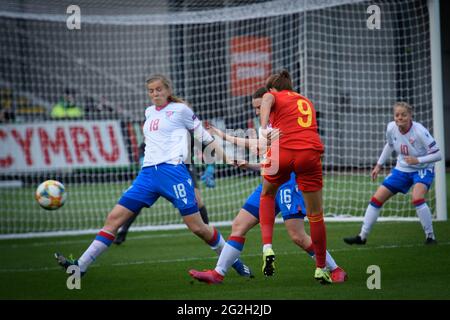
point(418, 201)
point(113, 222)
point(374, 202)
point(238, 229)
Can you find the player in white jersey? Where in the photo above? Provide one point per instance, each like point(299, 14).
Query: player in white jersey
point(208, 180)
point(417, 152)
point(166, 129)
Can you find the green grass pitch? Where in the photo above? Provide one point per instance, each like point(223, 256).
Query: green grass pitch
point(154, 265)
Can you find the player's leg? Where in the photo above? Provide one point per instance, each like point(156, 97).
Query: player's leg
point(139, 195)
point(192, 169)
point(267, 220)
point(314, 209)
point(123, 230)
point(371, 215)
point(205, 232)
point(243, 222)
point(397, 181)
point(423, 212)
point(118, 215)
point(295, 227)
point(267, 211)
point(373, 210)
point(231, 251)
point(201, 205)
point(276, 171)
point(213, 238)
point(308, 171)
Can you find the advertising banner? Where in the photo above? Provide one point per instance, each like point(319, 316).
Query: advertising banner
point(61, 145)
point(251, 63)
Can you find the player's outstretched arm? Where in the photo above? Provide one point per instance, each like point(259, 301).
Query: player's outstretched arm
point(245, 165)
point(214, 146)
point(238, 141)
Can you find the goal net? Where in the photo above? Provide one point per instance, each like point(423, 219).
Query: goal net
point(352, 60)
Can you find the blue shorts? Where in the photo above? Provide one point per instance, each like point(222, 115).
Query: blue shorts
point(399, 181)
point(289, 201)
point(172, 182)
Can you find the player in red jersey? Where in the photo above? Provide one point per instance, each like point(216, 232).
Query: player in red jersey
point(298, 150)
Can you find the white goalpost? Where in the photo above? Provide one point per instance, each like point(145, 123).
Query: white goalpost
point(353, 62)
point(438, 106)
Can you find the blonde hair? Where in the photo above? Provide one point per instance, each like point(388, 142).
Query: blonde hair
point(405, 105)
point(166, 83)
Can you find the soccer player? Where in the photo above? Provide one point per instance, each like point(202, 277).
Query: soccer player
point(417, 152)
point(209, 182)
point(298, 150)
point(166, 128)
point(289, 201)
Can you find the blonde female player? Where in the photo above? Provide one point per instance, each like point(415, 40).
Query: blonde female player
point(417, 152)
point(163, 173)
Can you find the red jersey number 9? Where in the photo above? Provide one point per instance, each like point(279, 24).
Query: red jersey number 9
point(305, 109)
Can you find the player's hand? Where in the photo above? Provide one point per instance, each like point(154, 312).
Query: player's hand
point(209, 127)
point(206, 124)
point(375, 172)
point(245, 165)
point(214, 131)
point(411, 160)
point(241, 164)
point(208, 176)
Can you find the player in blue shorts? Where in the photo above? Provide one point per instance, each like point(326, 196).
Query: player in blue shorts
point(207, 177)
point(166, 130)
point(417, 152)
point(289, 201)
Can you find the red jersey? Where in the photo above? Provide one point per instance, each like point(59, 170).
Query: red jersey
point(295, 116)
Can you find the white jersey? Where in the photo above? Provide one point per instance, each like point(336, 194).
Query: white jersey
point(166, 132)
point(417, 142)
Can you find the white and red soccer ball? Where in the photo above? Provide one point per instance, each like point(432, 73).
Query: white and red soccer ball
point(51, 195)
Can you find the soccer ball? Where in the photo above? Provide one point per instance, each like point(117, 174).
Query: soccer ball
point(51, 195)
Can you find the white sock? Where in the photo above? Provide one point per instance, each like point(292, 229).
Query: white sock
point(267, 246)
point(370, 217)
point(230, 253)
point(424, 214)
point(331, 264)
point(217, 243)
point(102, 242)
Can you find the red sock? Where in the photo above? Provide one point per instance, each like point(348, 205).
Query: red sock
point(319, 238)
point(267, 217)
